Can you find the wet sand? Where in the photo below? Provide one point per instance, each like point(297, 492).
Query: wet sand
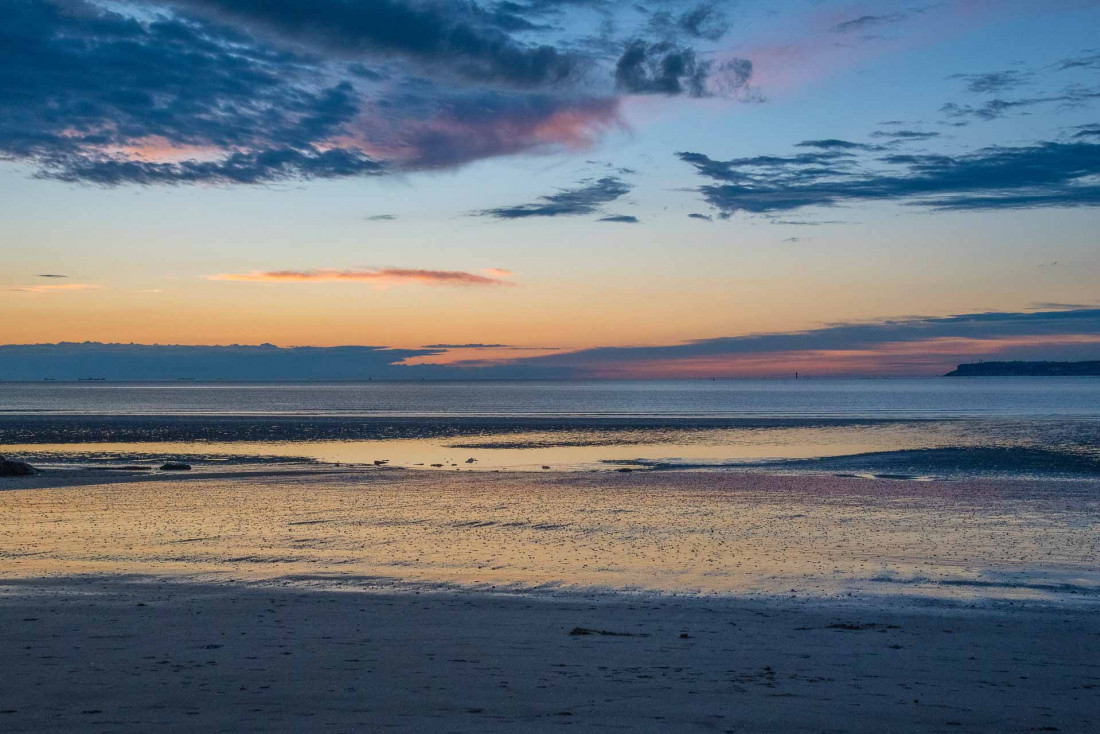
point(110, 654)
point(328, 600)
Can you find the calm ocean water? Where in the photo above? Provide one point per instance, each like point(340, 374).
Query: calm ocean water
point(898, 428)
point(816, 398)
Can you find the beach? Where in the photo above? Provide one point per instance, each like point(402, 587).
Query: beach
point(321, 598)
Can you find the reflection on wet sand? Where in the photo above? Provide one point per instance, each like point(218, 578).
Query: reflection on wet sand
point(665, 532)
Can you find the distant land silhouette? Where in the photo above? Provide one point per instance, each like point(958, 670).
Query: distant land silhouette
point(1027, 369)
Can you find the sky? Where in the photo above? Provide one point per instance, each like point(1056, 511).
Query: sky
point(557, 188)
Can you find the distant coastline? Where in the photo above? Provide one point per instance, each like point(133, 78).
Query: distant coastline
point(1027, 369)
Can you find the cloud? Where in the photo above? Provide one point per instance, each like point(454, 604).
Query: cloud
point(232, 92)
point(1071, 97)
point(993, 81)
point(1087, 131)
point(904, 134)
point(426, 128)
point(170, 362)
point(866, 22)
point(101, 97)
point(256, 92)
point(381, 218)
point(51, 275)
point(707, 21)
point(1046, 174)
point(660, 68)
point(704, 217)
point(498, 272)
point(55, 288)
point(903, 346)
point(620, 218)
point(1089, 60)
point(380, 276)
point(835, 144)
point(478, 345)
point(807, 223)
point(453, 38)
point(911, 345)
point(239, 168)
point(585, 199)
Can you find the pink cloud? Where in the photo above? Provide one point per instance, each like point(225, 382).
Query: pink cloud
point(55, 288)
point(377, 276)
point(453, 137)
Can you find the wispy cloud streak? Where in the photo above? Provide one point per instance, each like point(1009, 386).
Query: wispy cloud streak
point(584, 199)
point(56, 288)
point(380, 276)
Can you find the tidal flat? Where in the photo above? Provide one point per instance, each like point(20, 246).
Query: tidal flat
point(320, 598)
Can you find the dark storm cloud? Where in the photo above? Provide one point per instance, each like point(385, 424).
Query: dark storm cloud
point(586, 199)
point(1042, 175)
point(454, 37)
point(660, 68)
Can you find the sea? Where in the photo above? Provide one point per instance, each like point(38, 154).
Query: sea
point(890, 429)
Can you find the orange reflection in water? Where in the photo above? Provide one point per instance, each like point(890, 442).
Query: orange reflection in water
point(681, 532)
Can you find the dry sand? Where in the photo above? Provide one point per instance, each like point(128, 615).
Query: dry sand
point(292, 602)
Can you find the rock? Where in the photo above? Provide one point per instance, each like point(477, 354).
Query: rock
point(175, 466)
point(545, 467)
point(381, 462)
point(16, 469)
point(625, 470)
point(470, 461)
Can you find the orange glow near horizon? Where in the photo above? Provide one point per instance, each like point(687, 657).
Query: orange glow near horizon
point(897, 358)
